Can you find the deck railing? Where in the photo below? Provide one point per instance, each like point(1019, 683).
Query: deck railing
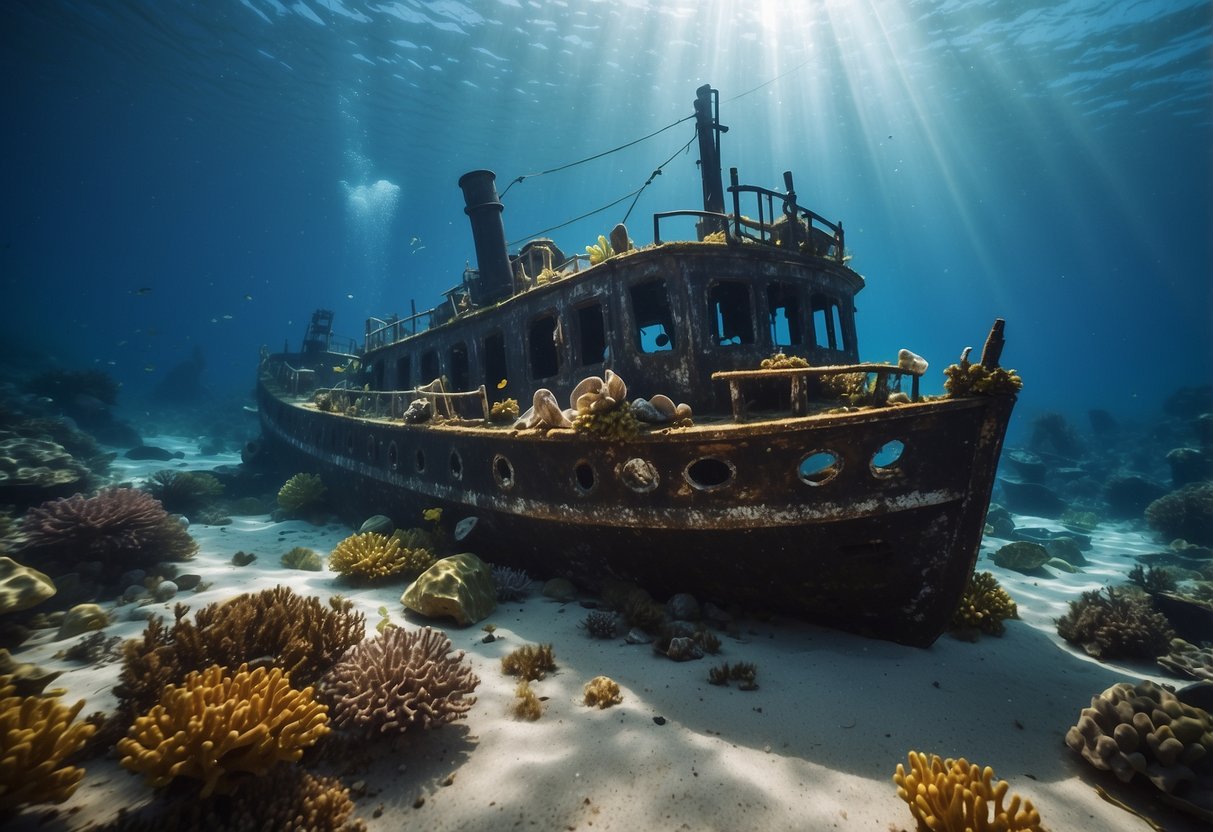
point(393, 404)
point(798, 378)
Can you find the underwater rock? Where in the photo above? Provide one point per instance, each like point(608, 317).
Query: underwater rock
point(419, 410)
point(1191, 618)
point(187, 582)
point(684, 649)
point(81, 619)
point(1186, 659)
point(1103, 424)
point(1022, 556)
point(27, 679)
point(1189, 465)
point(133, 593)
point(560, 589)
point(1031, 498)
point(1027, 465)
point(637, 636)
point(380, 524)
point(1128, 496)
point(1066, 549)
point(152, 452)
point(22, 587)
point(163, 591)
point(682, 607)
point(459, 587)
point(1000, 520)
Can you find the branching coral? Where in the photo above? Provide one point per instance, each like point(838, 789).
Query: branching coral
point(531, 661)
point(38, 735)
point(371, 557)
point(123, 528)
point(183, 490)
point(968, 379)
point(301, 493)
point(1115, 623)
point(599, 624)
point(1186, 513)
point(954, 796)
point(217, 727)
point(399, 681)
point(298, 634)
point(511, 584)
point(602, 692)
point(984, 606)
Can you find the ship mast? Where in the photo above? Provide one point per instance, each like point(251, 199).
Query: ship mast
point(709, 128)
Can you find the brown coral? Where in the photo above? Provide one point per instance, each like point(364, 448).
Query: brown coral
point(123, 528)
point(1186, 513)
point(954, 796)
point(400, 680)
point(38, 735)
point(531, 661)
point(1115, 623)
point(218, 727)
point(983, 607)
point(370, 557)
point(602, 692)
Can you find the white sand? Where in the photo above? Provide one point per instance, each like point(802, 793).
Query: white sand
point(814, 748)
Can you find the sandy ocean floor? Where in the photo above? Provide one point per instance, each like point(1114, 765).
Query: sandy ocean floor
point(813, 748)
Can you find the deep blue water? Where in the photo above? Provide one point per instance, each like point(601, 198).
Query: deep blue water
point(182, 174)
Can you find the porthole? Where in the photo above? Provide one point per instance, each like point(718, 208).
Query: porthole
point(584, 478)
point(885, 462)
point(419, 461)
point(819, 467)
point(640, 475)
point(709, 473)
point(370, 448)
point(456, 465)
point(393, 456)
point(503, 472)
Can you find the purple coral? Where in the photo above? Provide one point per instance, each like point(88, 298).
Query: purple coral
point(123, 528)
point(512, 584)
point(400, 680)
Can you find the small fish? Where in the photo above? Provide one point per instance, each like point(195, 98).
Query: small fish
point(433, 515)
point(416, 241)
point(143, 290)
point(214, 320)
point(501, 384)
point(149, 368)
point(248, 297)
point(227, 317)
point(350, 296)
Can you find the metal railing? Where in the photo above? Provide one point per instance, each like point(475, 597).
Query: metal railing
point(392, 404)
point(798, 378)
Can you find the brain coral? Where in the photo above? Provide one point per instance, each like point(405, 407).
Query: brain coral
point(1145, 729)
point(400, 680)
point(218, 727)
point(953, 796)
point(37, 735)
point(123, 528)
point(371, 556)
point(1115, 623)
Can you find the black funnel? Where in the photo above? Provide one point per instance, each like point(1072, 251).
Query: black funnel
point(488, 233)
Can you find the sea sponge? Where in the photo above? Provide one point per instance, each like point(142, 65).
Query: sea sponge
point(38, 735)
point(954, 796)
point(217, 727)
point(984, 606)
point(400, 680)
point(303, 558)
point(531, 661)
point(1145, 729)
point(1115, 623)
point(301, 493)
point(369, 557)
point(300, 635)
point(602, 692)
point(1186, 513)
point(183, 490)
point(123, 528)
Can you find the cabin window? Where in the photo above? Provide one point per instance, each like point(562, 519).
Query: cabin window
point(730, 313)
point(827, 323)
point(496, 374)
point(651, 316)
point(458, 365)
point(591, 335)
point(377, 375)
point(404, 373)
point(429, 367)
point(786, 315)
point(542, 338)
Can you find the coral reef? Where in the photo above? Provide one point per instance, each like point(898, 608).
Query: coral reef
point(399, 681)
point(1186, 513)
point(599, 624)
point(459, 587)
point(954, 796)
point(505, 410)
point(602, 692)
point(218, 727)
point(300, 494)
point(512, 584)
point(983, 607)
point(1186, 659)
point(22, 587)
point(1115, 623)
point(38, 736)
point(303, 558)
point(33, 469)
point(967, 379)
point(298, 634)
point(369, 557)
point(780, 361)
point(531, 661)
point(183, 490)
point(122, 528)
point(744, 673)
point(1151, 580)
point(1145, 729)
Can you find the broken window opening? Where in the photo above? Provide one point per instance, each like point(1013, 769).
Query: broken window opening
point(786, 316)
point(429, 366)
point(543, 335)
point(591, 335)
point(827, 322)
point(458, 362)
point(730, 313)
point(496, 375)
point(652, 318)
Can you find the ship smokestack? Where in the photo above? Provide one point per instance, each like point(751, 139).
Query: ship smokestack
point(488, 233)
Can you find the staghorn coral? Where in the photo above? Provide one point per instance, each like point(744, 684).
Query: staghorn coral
point(303, 558)
point(301, 494)
point(1145, 729)
point(399, 681)
point(217, 727)
point(1186, 513)
point(183, 490)
point(602, 692)
point(298, 634)
point(123, 528)
point(954, 796)
point(531, 661)
point(1115, 623)
point(369, 557)
point(38, 735)
point(983, 607)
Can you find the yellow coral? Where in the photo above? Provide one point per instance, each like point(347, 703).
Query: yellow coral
point(36, 734)
point(954, 796)
point(505, 410)
point(601, 252)
point(781, 361)
point(301, 492)
point(217, 727)
point(984, 606)
point(967, 379)
point(371, 556)
point(603, 692)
